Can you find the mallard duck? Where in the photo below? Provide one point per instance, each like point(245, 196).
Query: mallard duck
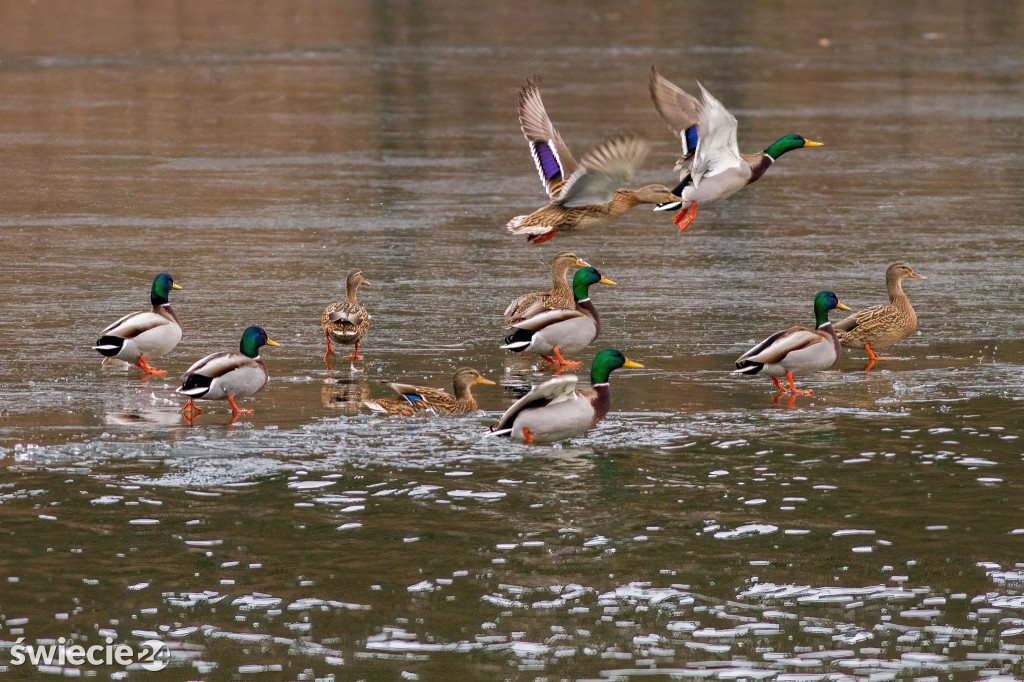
point(228, 375)
point(424, 399)
point(555, 410)
point(555, 331)
point(138, 335)
point(346, 322)
point(582, 194)
point(559, 298)
point(882, 326)
point(797, 349)
point(712, 166)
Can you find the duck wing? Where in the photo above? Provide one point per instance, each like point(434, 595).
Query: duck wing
point(547, 318)
point(717, 150)
point(219, 364)
point(864, 318)
point(681, 113)
point(424, 397)
point(133, 324)
point(603, 170)
point(777, 346)
point(552, 157)
point(551, 391)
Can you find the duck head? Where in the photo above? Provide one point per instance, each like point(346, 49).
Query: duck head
point(606, 362)
point(825, 301)
point(788, 143)
point(254, 338)
point(162, 285)
point(582, 280)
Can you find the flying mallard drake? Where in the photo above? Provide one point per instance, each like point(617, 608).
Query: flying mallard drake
point(882, 326)
point(346, 322)
point(559, 298)
point(712, 166)
point(796, 350)
point(138, 335)
point(424, 399)
point(582, 194)
point(228, 375)
point(554, 331)
point(555, 410)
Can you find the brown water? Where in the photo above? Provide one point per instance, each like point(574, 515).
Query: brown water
point(258, 152)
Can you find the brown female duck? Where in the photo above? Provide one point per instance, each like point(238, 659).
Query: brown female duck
point(559, 298)
point(346, 322)
point(583, 194)
point(885, 325)
point(424, 399)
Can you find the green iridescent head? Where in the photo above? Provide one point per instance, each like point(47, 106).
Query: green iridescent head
point(253, 339)
point(788, 143)
point(606, 362)
point(582, 280)
point(825, 301)
point(162, 285)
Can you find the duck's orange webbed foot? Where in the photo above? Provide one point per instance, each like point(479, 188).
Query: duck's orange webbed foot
point(235, 409)
point(563, 363)
point(541, 238)
point(526, 436)
point(330, 348)
point(686, 216)
point(191, 409)
point(872, 355)
point(148, 369)
point(793, 389)
point(355, 354)
point(780, 387)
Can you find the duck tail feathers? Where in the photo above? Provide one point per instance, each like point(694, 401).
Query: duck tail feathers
point(500, 433)
point(109, 346)
point(748, 367)
point(519, 340)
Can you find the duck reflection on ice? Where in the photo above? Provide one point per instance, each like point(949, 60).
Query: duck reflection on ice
point(345, 394)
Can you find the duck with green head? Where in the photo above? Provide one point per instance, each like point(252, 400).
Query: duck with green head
point(228, 375)
point(712, 166)
point(555, 332)
point(797, 350)
point(151, 334)
point(555, 410)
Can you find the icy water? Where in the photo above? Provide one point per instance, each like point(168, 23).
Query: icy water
point(702, 531)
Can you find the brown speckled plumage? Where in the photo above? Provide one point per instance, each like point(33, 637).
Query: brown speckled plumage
point(559, 298)
point(426, 399)
point(347, 322)
point(882, 326)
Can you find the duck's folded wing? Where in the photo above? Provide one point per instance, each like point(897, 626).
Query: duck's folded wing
point(716, 151)
point(605, 168)
point(551, 391)
point(547, 318)
point(423, 396)
point(862, 318)
point(552, 157)
point(219, 364)
point(776, 347)
point(133, 324)
point(678, 109)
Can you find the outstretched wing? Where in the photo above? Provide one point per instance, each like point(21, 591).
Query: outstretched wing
point(551, 391)
point(679, 110)
point(716, 147)
point(554, 161)
point(604, 169)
